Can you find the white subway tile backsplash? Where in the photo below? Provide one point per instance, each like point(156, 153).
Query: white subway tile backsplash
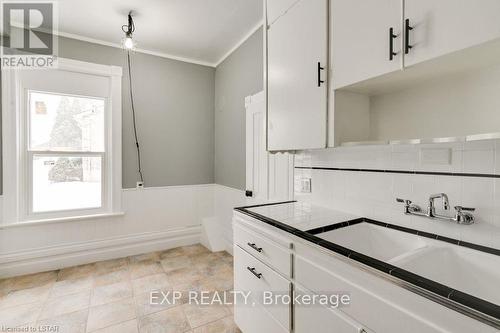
point(404, 160)
point(480, 145)
point(480, 194)
point(452, 186)
point(435, 156)
point(455, 164)
point(497, 157)
point(373, 194)
point(479, 161)
point(423, 186)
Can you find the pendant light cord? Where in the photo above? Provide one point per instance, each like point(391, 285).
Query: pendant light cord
point(134, 119)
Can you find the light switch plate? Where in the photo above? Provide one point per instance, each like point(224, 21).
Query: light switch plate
point(435, 156)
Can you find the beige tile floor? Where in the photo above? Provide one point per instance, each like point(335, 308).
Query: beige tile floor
point(114, 295)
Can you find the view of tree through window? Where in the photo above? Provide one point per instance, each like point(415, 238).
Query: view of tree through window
point(67, 142)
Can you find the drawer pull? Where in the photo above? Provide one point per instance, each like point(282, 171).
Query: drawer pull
point(253, 246)
point(252, 270)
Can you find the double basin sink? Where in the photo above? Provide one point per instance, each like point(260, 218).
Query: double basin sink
point(473, 272)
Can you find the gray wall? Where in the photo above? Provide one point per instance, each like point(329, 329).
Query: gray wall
point(240, 75)
point(174, 103)
point(182, 141)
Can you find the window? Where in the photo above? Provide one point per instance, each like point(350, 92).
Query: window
point(65, 151)
point(62, 142)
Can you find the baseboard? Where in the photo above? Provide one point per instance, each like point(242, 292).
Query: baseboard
point(50, 258)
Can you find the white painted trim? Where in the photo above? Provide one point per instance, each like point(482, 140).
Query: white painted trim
point(15, 153)
point(240, 42)
point(10, 144)
point(231, 188)
point(155, 188)
point(49, 258)
point(143, 51)
point(31, 223)
point(85, 67)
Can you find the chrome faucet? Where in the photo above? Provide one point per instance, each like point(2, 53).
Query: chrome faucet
point(431, 208)
point(462, 215)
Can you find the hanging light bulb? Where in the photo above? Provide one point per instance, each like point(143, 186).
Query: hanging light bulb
point(128, 42)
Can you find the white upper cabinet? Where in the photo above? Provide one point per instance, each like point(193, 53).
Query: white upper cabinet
point(439, 27)
point(297, 57)
point(276, 8)
point(361, 39)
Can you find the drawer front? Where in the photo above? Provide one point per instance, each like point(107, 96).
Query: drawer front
point(251, 275)
point(255, 319)
point(362, 303)
point(264, 249)
point(320, 319)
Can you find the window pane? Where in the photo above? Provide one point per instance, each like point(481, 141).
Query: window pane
point(64, 183)
point(66, 123)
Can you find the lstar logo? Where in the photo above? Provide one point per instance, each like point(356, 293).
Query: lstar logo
point(28, 39)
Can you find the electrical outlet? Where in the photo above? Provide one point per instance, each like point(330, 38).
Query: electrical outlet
point(305, 185)
point(139, 185)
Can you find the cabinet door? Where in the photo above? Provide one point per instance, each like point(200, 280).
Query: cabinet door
point(297, 100)
point(445, 26)
point(268, 176)
point(320, 319)
point(361, 41)
point(276, 8)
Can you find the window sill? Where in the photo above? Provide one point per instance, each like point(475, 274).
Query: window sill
point(59, 220)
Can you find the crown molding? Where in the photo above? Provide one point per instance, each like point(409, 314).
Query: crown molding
point(162, 54)
point(240, 42)
point(139, 50)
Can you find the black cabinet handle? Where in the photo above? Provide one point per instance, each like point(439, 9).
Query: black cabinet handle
point(319, 74)
point(391, 44)
point(408, 28)
point(253, 246)
point(248, 193)
point(252, 270)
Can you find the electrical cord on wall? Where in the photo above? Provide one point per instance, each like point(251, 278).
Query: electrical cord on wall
point(134, 119)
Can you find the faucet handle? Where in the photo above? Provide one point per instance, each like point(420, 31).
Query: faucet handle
point(406, 202)
point(463, 216)
point(465, 209)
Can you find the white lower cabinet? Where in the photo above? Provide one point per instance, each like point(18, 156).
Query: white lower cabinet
point(256, 319)
point(252, 275)
point(265, 249)
point(283, 264)
point(321, 319)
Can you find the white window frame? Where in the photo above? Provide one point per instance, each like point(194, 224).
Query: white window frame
point(17, 173)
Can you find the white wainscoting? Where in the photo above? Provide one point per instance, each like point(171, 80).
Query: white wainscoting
point(155, 219)
point(226, 198)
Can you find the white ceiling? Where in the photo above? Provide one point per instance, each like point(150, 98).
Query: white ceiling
point(202, 31)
